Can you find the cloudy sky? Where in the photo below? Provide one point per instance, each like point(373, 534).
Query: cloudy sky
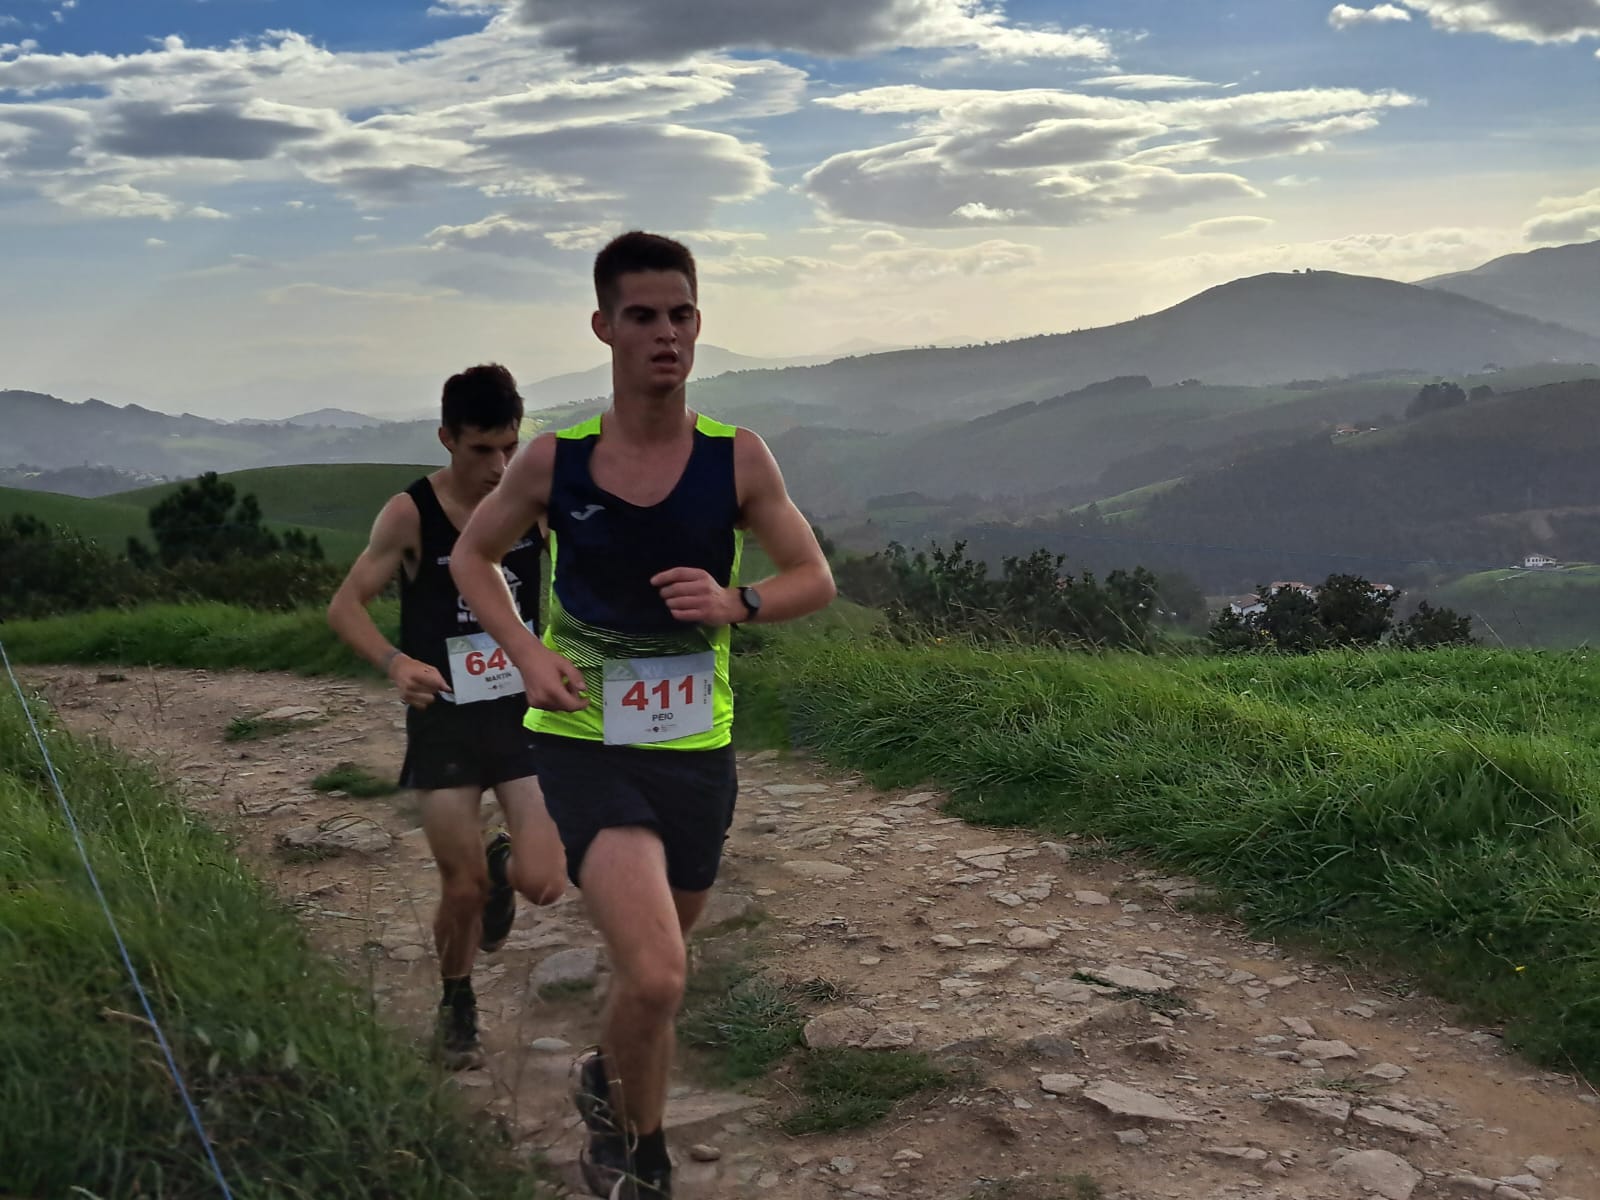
point(265, 206)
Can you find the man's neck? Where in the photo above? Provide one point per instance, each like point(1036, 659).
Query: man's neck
point(451, 490)
point(645, 418)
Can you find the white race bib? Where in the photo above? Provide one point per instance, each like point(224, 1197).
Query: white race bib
point(658, 699)
point(481, 670)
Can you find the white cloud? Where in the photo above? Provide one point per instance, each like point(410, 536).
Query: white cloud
point(154, 243)
point(488, 111)
point(1344, 16)
point(1148, 83)
point(1515, 20)
point(117, 200)
point(1048, 157)
point(609, 31)
point(1565, 219)
point(1224, 227)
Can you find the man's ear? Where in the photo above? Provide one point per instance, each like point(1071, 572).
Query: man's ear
point(601, 326)
point(446, 439)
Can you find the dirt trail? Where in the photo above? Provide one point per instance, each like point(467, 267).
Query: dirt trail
point(1264, 1074)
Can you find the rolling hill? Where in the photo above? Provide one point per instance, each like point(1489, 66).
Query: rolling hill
point(1556, 283)
point(1529, 608)
point(1267, 329)
point(342, 499)
point(1464, 490)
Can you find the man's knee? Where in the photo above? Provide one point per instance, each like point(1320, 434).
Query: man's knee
point(654, 983)
point(464, 889)
point(535, 884)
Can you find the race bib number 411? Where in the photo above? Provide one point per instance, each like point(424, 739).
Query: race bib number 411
point(658, 699)
point(480, 669)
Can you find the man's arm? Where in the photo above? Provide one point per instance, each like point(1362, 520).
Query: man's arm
point(395, 534)
point(501, 519)
point(804, 582)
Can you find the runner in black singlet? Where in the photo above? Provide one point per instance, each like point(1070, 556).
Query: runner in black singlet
point(647, 506)
point(464, 697)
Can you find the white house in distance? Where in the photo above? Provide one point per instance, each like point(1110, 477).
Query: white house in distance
point(1539, 562)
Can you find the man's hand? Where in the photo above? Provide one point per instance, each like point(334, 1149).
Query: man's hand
point(695, 598)
point(417, 682)
point(552, 683)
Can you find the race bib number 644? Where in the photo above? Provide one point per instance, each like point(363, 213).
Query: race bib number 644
point(658, 699)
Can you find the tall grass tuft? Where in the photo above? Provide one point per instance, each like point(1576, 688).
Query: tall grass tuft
point(303, 1092)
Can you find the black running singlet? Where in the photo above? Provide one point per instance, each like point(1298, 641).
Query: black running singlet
point(431, 608)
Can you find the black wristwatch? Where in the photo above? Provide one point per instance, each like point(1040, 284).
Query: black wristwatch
point(752, 601)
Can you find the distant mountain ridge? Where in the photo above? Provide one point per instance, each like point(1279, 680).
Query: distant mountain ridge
point(1555, 283)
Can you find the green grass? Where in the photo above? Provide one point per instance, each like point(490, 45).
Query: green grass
point(339, 497)
point(256, 729)
point(1434, 809)
point(1559, 608)
point(744, 1023)
point(354, 780)
point(303, 1092)
point(847, 1089)
point(108, 521)
point(112, 520)
point(210, 636)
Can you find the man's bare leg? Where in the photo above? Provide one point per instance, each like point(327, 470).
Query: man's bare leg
point(450, 822)
point(538, 868)
point(624, 879)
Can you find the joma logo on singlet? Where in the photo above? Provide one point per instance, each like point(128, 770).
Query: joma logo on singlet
point(587, 512)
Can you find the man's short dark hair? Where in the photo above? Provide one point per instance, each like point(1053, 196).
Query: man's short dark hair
point(484, 397)
point(638, 251)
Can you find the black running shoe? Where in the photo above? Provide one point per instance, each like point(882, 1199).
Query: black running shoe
point(604, 1159)
point(455, 1037)
point(500, 909)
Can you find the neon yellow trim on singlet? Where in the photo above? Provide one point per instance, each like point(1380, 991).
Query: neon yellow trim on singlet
point(586, 646)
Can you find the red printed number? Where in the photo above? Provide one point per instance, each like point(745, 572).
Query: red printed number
point(637, 697)
point(477, 664)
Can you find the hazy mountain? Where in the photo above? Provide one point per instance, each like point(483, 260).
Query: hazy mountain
point(1558, 283)
point(322, 418)
point(595, 383)
point(1467, 489)
point(1261, 330)
point(47, 433)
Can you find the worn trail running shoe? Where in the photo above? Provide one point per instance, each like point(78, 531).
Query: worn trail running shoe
point(455, 1037)
point(500, 909)
point(605, 1158)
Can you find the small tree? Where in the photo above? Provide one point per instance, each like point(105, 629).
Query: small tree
point(1231, 633)
point(1353, 611)
point(201, 521)
point(1435, 397)
point(1429, 628)
point(1290, 620)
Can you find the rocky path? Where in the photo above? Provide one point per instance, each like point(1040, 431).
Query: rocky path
point(1119, 1033)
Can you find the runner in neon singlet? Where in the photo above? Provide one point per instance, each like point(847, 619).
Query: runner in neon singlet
point(647, 506)
point(464, 700)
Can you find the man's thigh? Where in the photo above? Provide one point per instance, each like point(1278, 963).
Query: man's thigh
point(454, 829)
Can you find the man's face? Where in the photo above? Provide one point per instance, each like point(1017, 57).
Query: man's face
point(478, 457)
point(651, 331)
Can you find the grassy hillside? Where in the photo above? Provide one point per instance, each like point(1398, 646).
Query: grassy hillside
point(109, 521)
point(113, 519)
point(1530, 608)
point(1466, 489)
point(304, 1092)
point(344, 496)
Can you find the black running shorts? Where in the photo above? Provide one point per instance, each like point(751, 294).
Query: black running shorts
point(685, 796)
point(469, 745)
